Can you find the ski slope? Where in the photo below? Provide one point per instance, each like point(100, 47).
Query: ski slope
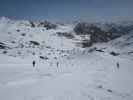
point(67, 72)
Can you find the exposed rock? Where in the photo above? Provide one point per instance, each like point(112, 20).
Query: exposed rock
point(99, 34)
point(32, 24)
point(65, 34)
point(3, 46)
point(114, 53)
point(23, 34)
point(4, 52)
point(18, 30)
point(99, 50)
point(34, 43)
point(47, 25)
point(45, 58)
point(109, 90)
point(42, 57)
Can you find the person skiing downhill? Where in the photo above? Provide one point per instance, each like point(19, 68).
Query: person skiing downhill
point(118, 65)
point(33, 63)
point(57, 64)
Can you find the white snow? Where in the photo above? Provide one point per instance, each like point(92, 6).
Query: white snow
point(69, 73)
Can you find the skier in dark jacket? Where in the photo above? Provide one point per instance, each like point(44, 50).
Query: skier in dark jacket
point(118, 65)
point(33, 63)
point(57, 64)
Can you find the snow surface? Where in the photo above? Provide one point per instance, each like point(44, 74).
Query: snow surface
point(69, 73)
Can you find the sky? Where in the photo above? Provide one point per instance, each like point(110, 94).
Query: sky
point(66, 10)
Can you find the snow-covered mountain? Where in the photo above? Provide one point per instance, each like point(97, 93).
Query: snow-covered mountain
point(63, 70)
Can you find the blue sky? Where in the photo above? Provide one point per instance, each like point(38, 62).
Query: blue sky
point(64, 10)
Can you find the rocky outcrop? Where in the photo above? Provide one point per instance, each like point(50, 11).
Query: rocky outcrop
point(47, 25)
point(99, 34)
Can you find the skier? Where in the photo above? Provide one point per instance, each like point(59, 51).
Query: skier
point(33, 63)
point(57, 64)
point(118, 65)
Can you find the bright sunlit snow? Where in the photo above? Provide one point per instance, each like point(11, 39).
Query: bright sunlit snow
point(62, 71)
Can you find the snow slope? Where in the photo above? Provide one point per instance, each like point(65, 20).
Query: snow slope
point(63, 71)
